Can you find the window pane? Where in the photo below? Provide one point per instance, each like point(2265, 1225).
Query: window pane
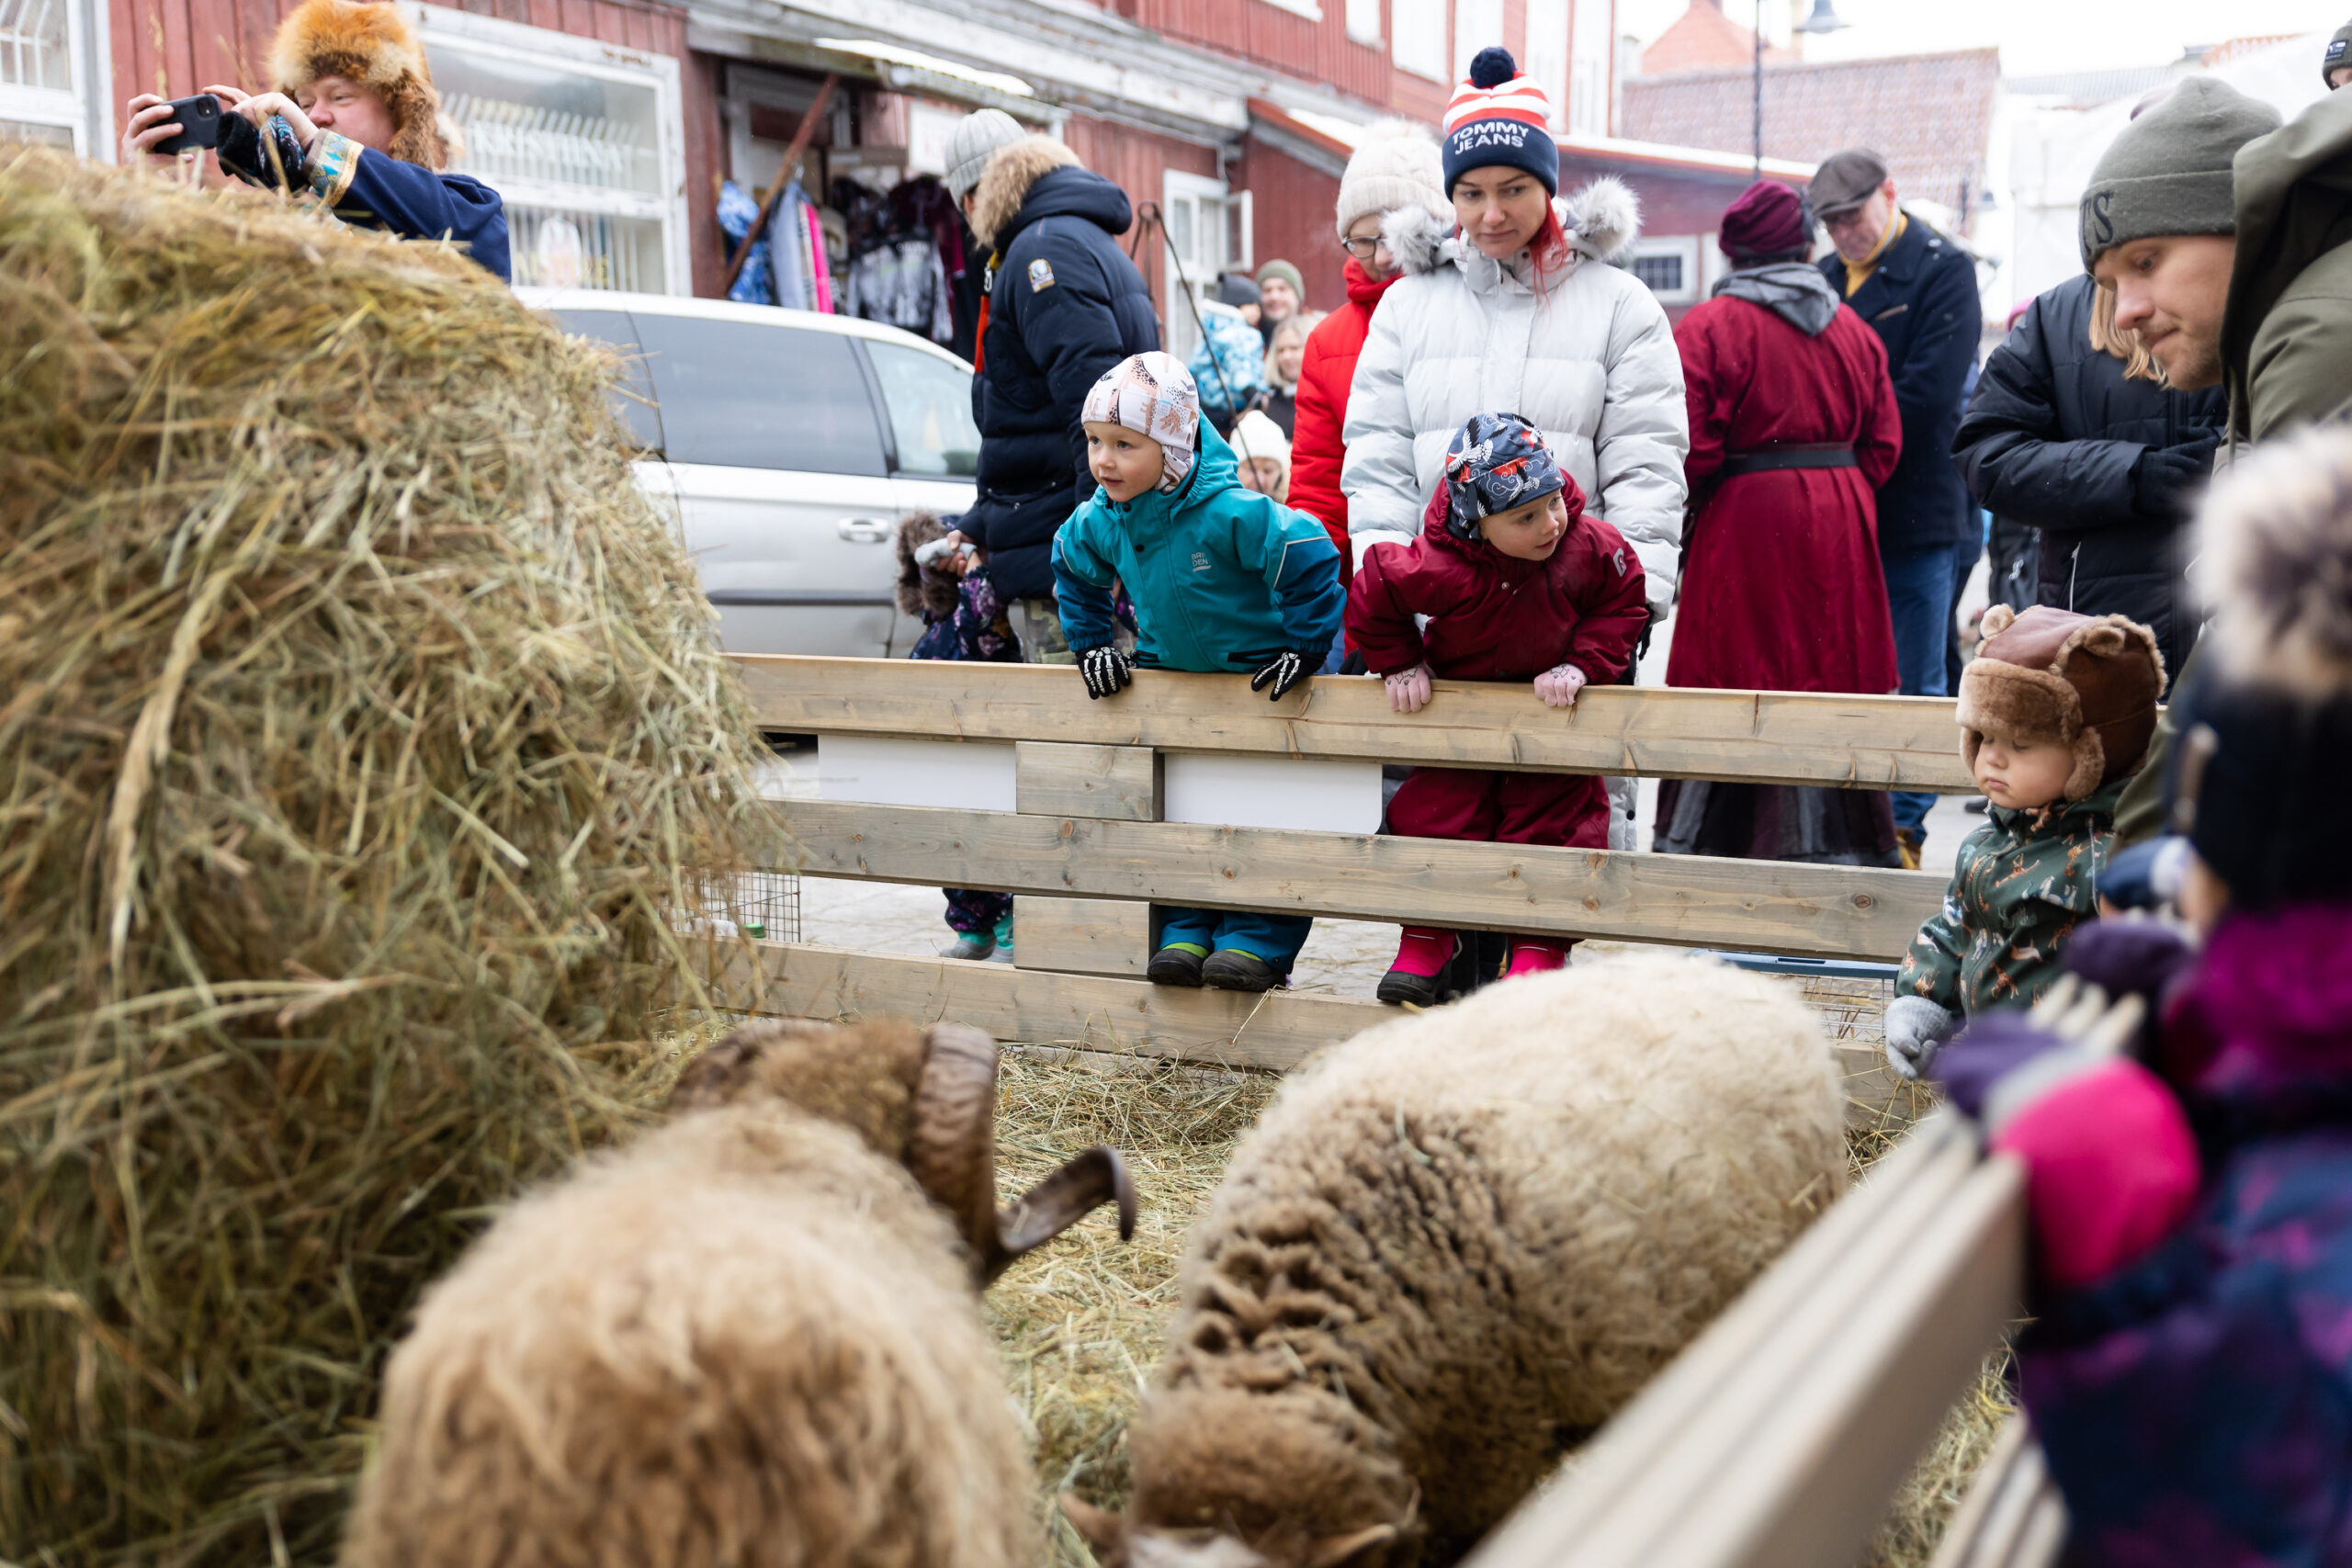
point(929, 399)
point(544, 124)
point(1364, 21)
point(752, 396)
point(633, 399)
point(1419, 44)
point(1662, 273)
point(44, 135)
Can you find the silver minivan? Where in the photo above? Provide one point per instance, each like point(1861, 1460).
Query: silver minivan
point(787, 444)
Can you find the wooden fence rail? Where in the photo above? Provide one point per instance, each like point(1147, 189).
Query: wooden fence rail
point(1776, 1439)
point(1646, 731)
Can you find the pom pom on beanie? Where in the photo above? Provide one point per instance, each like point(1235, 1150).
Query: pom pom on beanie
point(1500, 117)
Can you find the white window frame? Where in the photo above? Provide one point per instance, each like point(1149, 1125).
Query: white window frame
point(1234, 208)
point(1307, 8)
point(1413, 26)
point(1548, 22)
point(1476, 25)
point(83, 106)
point(1592, 33)
point(1686, 247)
point(462, 32)
point(1363, 21)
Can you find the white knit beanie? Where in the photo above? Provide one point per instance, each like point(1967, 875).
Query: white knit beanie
point(976, 136)
point(1399, 167)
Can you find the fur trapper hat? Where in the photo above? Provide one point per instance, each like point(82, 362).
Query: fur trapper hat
point(369, 42)
point(925, 590)
point(1004, 184)
point(2087, 683)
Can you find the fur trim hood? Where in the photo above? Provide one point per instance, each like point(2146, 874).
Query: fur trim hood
point(1602, 221)
point(2274, 563)
point(371, 42)
point(2087, 683)
point(1004, 185)
point(926, 591)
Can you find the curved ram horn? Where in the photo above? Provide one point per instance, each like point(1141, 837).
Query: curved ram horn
point(952, 1158)
point(1090, 1179)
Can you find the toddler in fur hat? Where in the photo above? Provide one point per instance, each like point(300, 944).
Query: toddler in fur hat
point(2055, 714)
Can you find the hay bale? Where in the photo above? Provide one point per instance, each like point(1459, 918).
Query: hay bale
point(362, 734)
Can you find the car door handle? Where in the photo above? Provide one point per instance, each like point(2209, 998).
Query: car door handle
point(863, 530)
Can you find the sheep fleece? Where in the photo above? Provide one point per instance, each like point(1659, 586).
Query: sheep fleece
point(1461, 1241)
point(749, 1341)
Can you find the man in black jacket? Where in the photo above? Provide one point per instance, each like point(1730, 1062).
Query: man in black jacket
point(1065, 306)
point(2061, 435)
point(1918, 290)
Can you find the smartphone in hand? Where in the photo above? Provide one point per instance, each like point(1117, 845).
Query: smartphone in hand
point(199, 119)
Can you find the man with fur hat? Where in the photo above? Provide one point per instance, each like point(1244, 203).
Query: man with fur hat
point(354, 119)
point(1065, 305)
point(2057, 711)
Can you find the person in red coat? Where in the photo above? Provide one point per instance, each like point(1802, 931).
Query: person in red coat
point(1386, 173)
point(1794, 427)
point(1510, 579)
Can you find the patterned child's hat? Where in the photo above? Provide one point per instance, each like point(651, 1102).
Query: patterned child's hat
point(1151, 394)
point(1498, 461)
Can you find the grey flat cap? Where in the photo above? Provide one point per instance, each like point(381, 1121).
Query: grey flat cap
point(1845, 181)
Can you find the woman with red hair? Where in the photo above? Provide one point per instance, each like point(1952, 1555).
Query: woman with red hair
point(1520, 312)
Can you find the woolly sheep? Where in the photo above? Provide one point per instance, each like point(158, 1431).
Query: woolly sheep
point(1458, 1244)
point(752, 1339)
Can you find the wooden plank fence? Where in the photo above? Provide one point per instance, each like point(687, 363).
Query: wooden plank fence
point(1776, 1439)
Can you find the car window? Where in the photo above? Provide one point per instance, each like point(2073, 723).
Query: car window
point(752, 396)
point(929, 399)
point(633, 398)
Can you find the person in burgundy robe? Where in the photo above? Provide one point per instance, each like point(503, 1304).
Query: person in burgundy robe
point(1794, 427)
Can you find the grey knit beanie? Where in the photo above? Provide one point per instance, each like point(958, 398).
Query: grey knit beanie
point(2338, 53)
point(976, 136)
point(2168, 172)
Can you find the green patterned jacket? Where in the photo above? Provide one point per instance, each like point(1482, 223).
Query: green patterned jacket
point(2023, 881)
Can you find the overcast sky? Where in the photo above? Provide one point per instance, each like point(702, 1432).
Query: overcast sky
point(2034, 36)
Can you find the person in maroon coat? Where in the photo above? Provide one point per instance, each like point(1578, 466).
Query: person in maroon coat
point(1516, 583)
point(1794, 427)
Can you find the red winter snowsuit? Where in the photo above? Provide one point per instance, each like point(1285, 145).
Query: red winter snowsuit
point(1782, 586)
point(1324, 376)
point(1492, 617)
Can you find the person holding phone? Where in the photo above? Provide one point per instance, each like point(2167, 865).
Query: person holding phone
point(354, 119)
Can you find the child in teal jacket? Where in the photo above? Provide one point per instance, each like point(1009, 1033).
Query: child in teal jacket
point(1223, 579)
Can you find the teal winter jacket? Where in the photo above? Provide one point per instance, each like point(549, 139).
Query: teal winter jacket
point(1222, 578)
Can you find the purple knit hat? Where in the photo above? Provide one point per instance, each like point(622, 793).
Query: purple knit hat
point(1498, 461)
point(1769, 220)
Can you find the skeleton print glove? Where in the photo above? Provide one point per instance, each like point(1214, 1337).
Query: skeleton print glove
point(1107, 671)
point(1285, 671)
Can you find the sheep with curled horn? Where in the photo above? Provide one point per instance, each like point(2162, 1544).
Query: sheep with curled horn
point(751, 1339)
point(1459, 1243)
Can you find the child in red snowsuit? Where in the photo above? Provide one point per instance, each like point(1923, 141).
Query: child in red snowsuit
point(1516, 583)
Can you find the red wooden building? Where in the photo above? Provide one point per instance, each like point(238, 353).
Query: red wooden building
point(608, 125)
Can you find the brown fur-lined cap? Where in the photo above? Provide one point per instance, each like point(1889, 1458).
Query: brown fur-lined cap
point(1004, 184)
point(2087, 683)
point(369, 42)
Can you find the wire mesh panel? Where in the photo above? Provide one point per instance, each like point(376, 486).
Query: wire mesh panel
point(569, 248)
point(527, 142)
point(766, 906)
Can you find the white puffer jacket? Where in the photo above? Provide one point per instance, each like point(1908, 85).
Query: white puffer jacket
point(1592, 363)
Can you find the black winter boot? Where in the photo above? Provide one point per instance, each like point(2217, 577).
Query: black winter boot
point(1231, 969)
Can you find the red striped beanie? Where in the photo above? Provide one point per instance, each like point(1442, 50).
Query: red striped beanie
point(1499, 117)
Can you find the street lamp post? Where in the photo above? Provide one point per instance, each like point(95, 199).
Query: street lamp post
point(1825, 20)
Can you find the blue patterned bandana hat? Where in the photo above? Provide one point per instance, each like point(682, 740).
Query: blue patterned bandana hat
point(1498, 461)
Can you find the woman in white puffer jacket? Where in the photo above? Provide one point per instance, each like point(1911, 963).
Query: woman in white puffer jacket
point(1579, 348)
